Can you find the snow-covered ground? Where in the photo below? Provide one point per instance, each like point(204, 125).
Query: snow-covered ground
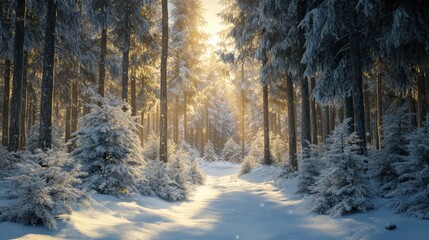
point(226, 207)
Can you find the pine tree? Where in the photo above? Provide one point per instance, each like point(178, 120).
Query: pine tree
point(231, 152)
point(412, 190)
point(45, 184)
point(396, 128)
point(310, 170)
point(343, 186)
point(210, 153)
point(108, 147)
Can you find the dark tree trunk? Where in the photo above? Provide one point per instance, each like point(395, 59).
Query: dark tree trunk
point(68, 115)
point(164, 54)
point(320, 122)
point(74, 107)
point(421, 99)
point(18, 72)
point(292, 126)
point(348, 105)
point(102, 64)
point(332, 117)
point(45, 132)
point(326, 123)
point(379, 107)
point(126, 57)
point(24, 103)
point(357, 88)
point(313, 113)
point(6, 103)
point(242, 124)
point(267, 154)
point(413, 110)
point(367, 115)
point(133, 96)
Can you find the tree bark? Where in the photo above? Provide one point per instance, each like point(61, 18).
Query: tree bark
point(292, 125)
point(6, 103)
point(413, 110)
point(185, 119)
point(126, 56)
point(24, 103)
point(326, 123)
point(18, 72)
point(313, 113)
point(267, 154)
point(379, 107)
point(102, 64)
point(348, 105)
point(176, 122)
point(164, 54)
point(421, 99)
point(74, 106)
point(367, 115)
point(133, 96)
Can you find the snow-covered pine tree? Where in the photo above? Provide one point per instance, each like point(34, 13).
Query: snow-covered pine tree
point(151, 148)
point(343, 186)
point(45, 184)
point(179, 172)
point(231, 152)
point(396, 127)
point(309, 169)
point(414, 176)
point(210, 153)
point(108, 146)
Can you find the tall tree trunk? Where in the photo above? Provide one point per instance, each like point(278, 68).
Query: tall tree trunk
point(18, 72)
point(313, 113)
point(326, 123)
point(267, 154)
point(292, 126)
point(6, 103)
point(102, 64)
point(68, 115)
point(421, 99)
point(185, 119)
point(176, 122)
point(348, 105)
point(379, 107)
point(142, 128)
point(74, 106)
point(320, 122)
point(164, 54)
point(133, 96)
point(24, 103)
point(332, 117)
point(126, 56)
point(357, 88)
point(367, 115)
point(242, 124)
point(45, 132)
point(413, 110)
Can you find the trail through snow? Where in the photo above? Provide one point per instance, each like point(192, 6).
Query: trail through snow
point(225, 208)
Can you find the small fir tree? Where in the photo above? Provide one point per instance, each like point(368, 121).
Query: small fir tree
point(210, 153)
point(309, 170)
point(231, 152)
point(343, 186)
point(108, 146)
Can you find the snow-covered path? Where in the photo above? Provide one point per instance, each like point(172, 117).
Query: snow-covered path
point(225, 208)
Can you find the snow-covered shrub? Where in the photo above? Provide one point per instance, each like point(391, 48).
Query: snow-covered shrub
point(32, 142)
point(108, 146)
point(193, 152)
point(309, 169)
point(45, 186)
point(231, 152)
point(396, 127)
point(249, 163)
point(173, 181)
point(210, 153)
point(413, 187)
point(343, 186)
point(278, 150)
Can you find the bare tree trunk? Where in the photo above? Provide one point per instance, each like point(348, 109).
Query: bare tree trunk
point(18, 72)
point(74, 106)
point(133, 96)
point(332, 118)
point(421, 99)
point(292, 126)
point(185, 119)
point(176, 122)
point(45, 133)
point(126, 56)
point(326, 123)
point(164, 54)
point(379, 107)
point(6, 103)
point(350, 112)
point(320, 122)
point(267, 154)
point(313, 113)
point(24, 103)
point(413, 110)
point(68, 115)
point(367, 115)
point(102, 64)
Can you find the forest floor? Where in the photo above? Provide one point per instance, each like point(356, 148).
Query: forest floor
point(227, 207)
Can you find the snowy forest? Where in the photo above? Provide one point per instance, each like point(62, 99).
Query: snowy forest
point(179, 119)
